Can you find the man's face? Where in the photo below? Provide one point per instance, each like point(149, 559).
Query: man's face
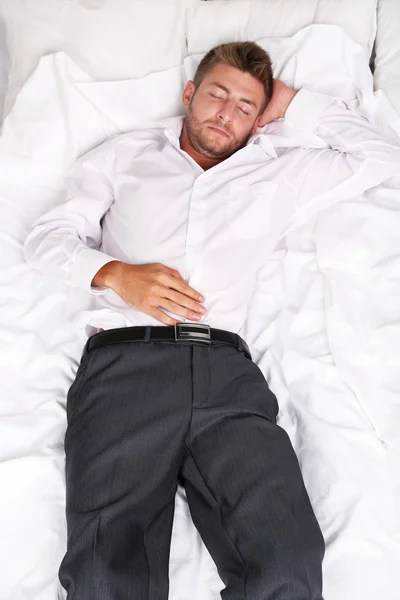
point(223, 112)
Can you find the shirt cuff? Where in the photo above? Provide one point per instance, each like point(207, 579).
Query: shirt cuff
point(85, 268)
point(305, 109)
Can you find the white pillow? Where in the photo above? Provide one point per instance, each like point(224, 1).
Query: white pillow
point(387, 61)
point(220, 21)
point(109, 39)
point(321, 57)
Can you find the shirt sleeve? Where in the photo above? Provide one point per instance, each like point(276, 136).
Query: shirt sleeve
point(341, 128)
point(359, 155)
point(64, 243)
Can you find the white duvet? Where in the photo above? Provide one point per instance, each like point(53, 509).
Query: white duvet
point(334, 334)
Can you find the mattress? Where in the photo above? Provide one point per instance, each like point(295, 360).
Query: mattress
point(333, 332)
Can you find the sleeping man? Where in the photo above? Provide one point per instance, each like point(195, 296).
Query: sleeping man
point(169, 229)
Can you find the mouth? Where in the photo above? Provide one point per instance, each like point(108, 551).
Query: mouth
point(219, 131)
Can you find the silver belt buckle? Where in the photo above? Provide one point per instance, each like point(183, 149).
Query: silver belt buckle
point(192, 332)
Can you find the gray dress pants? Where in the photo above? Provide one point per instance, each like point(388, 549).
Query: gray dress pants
point(143, 416)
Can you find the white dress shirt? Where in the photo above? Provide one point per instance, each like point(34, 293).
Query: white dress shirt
point(140, 199)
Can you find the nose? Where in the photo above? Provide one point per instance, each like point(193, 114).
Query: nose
point(225, 114)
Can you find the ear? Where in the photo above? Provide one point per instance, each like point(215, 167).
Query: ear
point(256, 125)
point(188, 93)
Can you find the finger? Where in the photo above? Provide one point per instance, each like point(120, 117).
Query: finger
point(172, 272)
point(175, 274)
point(184, 288)
point(185, 301)
point(162, 316)
point(177, 309)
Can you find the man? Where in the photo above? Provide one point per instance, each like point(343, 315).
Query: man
point(174, 225)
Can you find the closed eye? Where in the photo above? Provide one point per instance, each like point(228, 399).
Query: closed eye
point(243, 111)
point(214, 96)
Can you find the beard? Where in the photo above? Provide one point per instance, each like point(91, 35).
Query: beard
point(211, 145)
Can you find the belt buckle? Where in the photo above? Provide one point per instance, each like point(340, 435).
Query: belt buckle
point(192, 332)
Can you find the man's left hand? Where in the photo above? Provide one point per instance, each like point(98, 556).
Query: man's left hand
point(277, 107)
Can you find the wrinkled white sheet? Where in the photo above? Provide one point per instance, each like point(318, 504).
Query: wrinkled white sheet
point(334, 334)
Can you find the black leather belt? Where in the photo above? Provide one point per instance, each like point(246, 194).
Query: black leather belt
point(181, 332)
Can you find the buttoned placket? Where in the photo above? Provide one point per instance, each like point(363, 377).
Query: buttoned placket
point(198, 204)
point(195, 231)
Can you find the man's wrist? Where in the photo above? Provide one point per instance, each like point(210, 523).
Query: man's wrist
point(108, 275)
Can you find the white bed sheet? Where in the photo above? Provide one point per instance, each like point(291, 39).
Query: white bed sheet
point(109, 39)
point(334, 334)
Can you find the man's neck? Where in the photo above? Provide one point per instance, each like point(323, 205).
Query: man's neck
point(203, 161)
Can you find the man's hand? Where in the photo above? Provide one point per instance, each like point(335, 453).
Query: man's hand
point(150, 288)
point(277, 107)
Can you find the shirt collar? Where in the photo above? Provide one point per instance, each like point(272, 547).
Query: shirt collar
point(173, 129)
point(263, 140)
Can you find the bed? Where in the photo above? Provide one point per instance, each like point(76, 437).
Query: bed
point(72, 73)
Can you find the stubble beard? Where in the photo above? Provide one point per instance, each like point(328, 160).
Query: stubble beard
point(207, 147)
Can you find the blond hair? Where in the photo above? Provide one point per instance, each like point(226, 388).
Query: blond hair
point(245, 56)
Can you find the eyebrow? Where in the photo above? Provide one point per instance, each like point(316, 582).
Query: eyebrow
point(225, 89)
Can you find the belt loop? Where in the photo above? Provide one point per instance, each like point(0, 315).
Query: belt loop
point(239, 343)
point(147, 333)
